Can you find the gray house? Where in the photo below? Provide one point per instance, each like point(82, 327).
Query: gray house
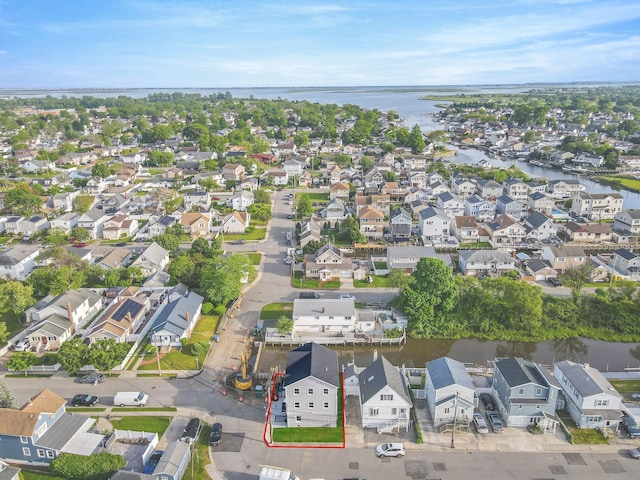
point(510, 206)
point(449, 391)
point(311, 386)
point(174, 461)
point(527, 393)
point(176, 321)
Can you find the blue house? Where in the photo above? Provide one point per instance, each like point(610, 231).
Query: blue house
point(527, 393)
point(42, 429)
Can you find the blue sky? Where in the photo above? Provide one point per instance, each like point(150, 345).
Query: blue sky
point(241, 43)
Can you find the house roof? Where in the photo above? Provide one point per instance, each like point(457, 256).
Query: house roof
point(15, 255)
point(172, 458)
point(567, 251)
point(326, 307)
point(626, 254)
point(154, 253)
point(537, 265)
point(537, 219)
point(44, 402)
point(445, 371)
point(483, 256)
point(517, 371)
point(379, 375)
point(16, 422)
point(370, 212)
point(63, 430)
point(431, 212)
point(312, 360)
point(465, 221)
point(173, 317)
point(587, 380)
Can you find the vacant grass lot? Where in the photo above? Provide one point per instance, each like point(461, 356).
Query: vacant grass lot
point(13, 323)
point(255, 234)
point(273, 311)
point(143, 424)
point(314, 197)
point(254, 258)
point(379, 281)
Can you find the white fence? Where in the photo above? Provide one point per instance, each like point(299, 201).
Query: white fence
point(40, 368)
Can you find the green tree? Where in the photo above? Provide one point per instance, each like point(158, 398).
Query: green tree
point(16, 296)
point(4, 332)
point(56, 236)
point(221, 279)
point(161, 159)
point(262, 196)
point(351, 228)
point(80, 234)
point(100, 170)
point(22, 200)
point(82, 203)
point(105, 354)
point(416, 140)
point(7, 400)
point(182, 270)
point(429, 298)
point(399, 279)
point(284, 325)
point(21, 361)
point(303, 207)
point(98, 466)
point(73, 355)
point(576, 278)
point(201, 245)
point(168, 241)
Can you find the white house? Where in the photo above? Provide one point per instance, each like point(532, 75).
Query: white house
point(434, 224)
point(329, 316)
point(18, 262)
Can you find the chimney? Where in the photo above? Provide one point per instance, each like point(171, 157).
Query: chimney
point(187, 315)
point(69, 313)
point(375, 354)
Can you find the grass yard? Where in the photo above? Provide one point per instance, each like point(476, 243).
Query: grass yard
point(32, 475)
point(86, 409)
point(200, 456)
point(142, 424)
point(13, 323)
point(623, 181)
point(184, 359)
point(301, 282)
point(254, 258)
point(146, 409)
point(626, 386)
point(255, 234)
point(314, 197)
point(273, 311)
point(581, 436)
point(379, 281)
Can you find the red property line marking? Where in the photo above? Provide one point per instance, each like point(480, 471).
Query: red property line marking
point(267, 422)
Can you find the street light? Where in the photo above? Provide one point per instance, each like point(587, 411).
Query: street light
point(455, 415)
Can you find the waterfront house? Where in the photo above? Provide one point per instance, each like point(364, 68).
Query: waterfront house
point(540, 227)
point(311, 385)
point(450, 204)
point(540, 202)
point(626, 263)
point(527, 393)
point(564, 258)
point(589, 232)
point(504, 230)
point(450, 392)
point(505, 205)
point(489, 189)
point(480, 208)
point(589, 398)
point(485, 263)
point(627, 222)
point(465, 229)
point(385, 403)
point(516, 189)
point(332, 316)
point(564, 188)
point(596, 206)
point(434, 224)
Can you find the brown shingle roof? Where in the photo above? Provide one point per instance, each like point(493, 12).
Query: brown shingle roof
point(44, 402)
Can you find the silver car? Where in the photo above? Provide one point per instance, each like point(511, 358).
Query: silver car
point(390, 450)
point(479, 423)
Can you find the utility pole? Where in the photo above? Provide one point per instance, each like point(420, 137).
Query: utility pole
point(455, 415)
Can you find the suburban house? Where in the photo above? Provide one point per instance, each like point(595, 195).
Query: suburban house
point(335, 211)
point(507, 205)
point(539, 270)
point(489, 189)
point(33, 225)
point(400, 225)
point(293, 167)
point(278, 177)
point(65, 222)
point(196, 224)
point(479, 208)
point(233, 171)
point(516, 189)
point(450, 204)
point(93, 222)
point(17, 263)
point(449, 391)
point(626, 263)
point(540, 227)
point(160, 226)
point(197, 201)
point(339, 190)
point(311, 385)
point(153, 259)
point(527, 393)
point(564, 258)
point(333, 316)
point(596, 206)
point(463, 187)
point(485, 263)
point(12, 225)
point(407, 257)
point(63, 202)
point(505, 230)
point(434, 224)
point(327, 263)
point(175, 321)
point(115, 258)
point(76, 306)
point(376, 200)
point(539, 202)
point(385, 403)
point(589, 232)
point(120, 320)
point(371, 223)
point(235, 222)
point(589, 398)
point(241, 200)
point(628, 222)
point(564, 188)
point(119, 226)
point(174, 462)
point(465, 229)
point(42, 429)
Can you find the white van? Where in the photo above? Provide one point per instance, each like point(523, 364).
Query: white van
point(130, 399)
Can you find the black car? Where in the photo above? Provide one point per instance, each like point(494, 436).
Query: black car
point(93, 378)
point(84, 400)
point(191, 431)
point(121, 244)
point(487, 401)
point(630, 426)
point(237, 242)
point(216, 434)
point(309, 295)
point(555, 282)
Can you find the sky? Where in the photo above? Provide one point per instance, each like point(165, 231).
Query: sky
point(243, 43)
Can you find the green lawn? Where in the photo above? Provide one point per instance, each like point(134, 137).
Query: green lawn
point(582, 436)
point(31, 475)
point(314, 197)
point(623, 181)
point(273, 311)
point(12, 321)
point(142, 424)
point(380, 265)
point(146, 409)
point(254, 258)
point(85, 409)
point(301, 282)
point(184, 359)
point(200, 456)
point(379, 281)
point(626, 386)
point(252, 234)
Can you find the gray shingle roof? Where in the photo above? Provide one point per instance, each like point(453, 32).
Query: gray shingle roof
point(312, 360)
point(378, 375)
point(173, 316)
point(445, 371)
point(587, 380)
point(59, 434)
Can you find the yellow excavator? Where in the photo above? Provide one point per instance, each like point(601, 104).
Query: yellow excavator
point(243, 381)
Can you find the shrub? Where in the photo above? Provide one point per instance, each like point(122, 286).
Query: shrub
point(98, 466)
point(207, 307)
point(199, 347)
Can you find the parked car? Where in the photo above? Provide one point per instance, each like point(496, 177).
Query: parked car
point(630, 426)
point(80, 245)
point(555, 282)
point(22, 345)
point(290, 216)
point(479, 423)
point(191, 431)
point(347, 296)
point(152, 462)
point(84, 400)
point(238, 242)
point(93, 378)
point(309, 295)
point(496, 422)
point(390, 450)
point(216, 434)
point(121, 244)
point(635, 453)
point(287, 260)
point(487, 401)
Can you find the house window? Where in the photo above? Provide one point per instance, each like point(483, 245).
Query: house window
point(310, 404)
point(394, 411)
point(521, 391)
point(446, 410)
point(537, 407)
point(26, 451)
point(298, 419)
point(310, 391)
point(41, 453)
point(373, 412)
point(386, 397)
point(24, 439)
point(538, 391)
point(325, 405)
point(602, 403)
point(520, 407)
point(325, 391)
